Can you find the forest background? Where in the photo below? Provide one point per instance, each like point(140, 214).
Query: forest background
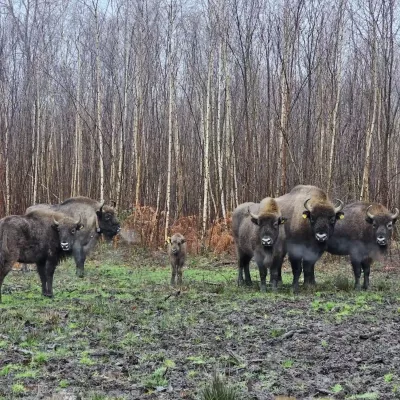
point(184, 109)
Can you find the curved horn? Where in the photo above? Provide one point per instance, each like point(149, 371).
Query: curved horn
point(101, 204)
point(369, 215)
point(255, 216)
point(306, 206)
point(396, 213)
point(79, 220)
point(340, 206)
point(56, 223)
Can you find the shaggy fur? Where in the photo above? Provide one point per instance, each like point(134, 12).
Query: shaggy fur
point(177, 256)
point(363, 239)
point(97, 219)
point(41, 237)
point(305, 226)
point(257, 233)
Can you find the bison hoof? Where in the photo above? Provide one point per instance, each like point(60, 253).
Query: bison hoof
point(80, 273)
point(49, 295)
point(263, 288)
point(357, 287)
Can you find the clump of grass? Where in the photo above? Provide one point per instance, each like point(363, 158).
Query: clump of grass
point(17, 389)
point(218, 389)
point(342, 283)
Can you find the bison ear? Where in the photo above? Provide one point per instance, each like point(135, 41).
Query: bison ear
point(282, 220)
point(306, 214)
point(339, 215)
point(254, 221)
point(99, 213)
point(168, 240)
point(183, 241)
point(369, 220)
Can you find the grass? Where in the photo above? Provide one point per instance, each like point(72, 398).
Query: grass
point(122, 332)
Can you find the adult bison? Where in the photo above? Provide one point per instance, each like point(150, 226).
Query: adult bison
point(257, 232)
point(97, 219)
point(364, 235)
point(311, 222)
point(42, 237)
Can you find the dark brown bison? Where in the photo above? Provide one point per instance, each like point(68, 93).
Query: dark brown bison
point(311, 222)
point(257, 233)
point(364, 235)
point(97, 219)
point(42, 237)
point(177, 257)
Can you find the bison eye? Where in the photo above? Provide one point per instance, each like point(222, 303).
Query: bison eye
point(390, 225)
point(333, 220)
point(107, 217)
point(275, 224)
point(73, 230)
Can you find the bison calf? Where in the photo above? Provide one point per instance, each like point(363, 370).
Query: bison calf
point(256, 229)
point(177, 257)
point(364, 234)
point(40, 237)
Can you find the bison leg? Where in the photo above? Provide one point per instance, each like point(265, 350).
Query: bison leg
point(41, 269)
point(173, 274)
point(244, 261)
point(79, 257)
point(357, 274)
point(50, 268)
point(366, 266)
point(263, 275)
point(179, 274)
point(296, 270)
point(309, 275)
point(3, 274)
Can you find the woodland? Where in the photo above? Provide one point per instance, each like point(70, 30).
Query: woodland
point(190, 108)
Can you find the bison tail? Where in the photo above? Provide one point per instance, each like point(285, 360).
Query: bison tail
point(4, 253)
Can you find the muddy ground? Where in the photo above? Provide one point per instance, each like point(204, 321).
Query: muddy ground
point(123, 333)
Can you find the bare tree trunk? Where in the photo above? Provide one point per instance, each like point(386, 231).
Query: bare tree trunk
point(207, 127)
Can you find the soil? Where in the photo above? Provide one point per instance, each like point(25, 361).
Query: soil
point(123, 332)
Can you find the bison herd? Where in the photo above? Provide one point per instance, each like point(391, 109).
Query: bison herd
point(48, 233)
point(301, 224)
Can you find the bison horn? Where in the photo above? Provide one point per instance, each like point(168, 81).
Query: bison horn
point(339, 207)
point(56, 223)
point(306, 206)
point(79, 220)
point(255, 216)
point(396, 213)
point(369, 215)
point(101, 204)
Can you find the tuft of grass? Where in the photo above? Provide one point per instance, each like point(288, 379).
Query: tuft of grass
point(337, 388)
point(63, 383)
point(40, 358)
point(218, 389)
point(364, 396)
point(287, 364)
point(157, 379)
point(388, 377)
point(18, 388)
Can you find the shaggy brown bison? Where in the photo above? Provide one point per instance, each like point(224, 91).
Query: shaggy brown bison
point(365, 235)
point(177, 257)
point(97, 219)
point(311, 222)
point(41, 237)
point(257, 233)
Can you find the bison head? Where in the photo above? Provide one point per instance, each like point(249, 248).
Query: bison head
point(175, 243)
point(108, 222)
point(268, 225)
point(67, 228)
point(322, 217)
point(382, 225)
